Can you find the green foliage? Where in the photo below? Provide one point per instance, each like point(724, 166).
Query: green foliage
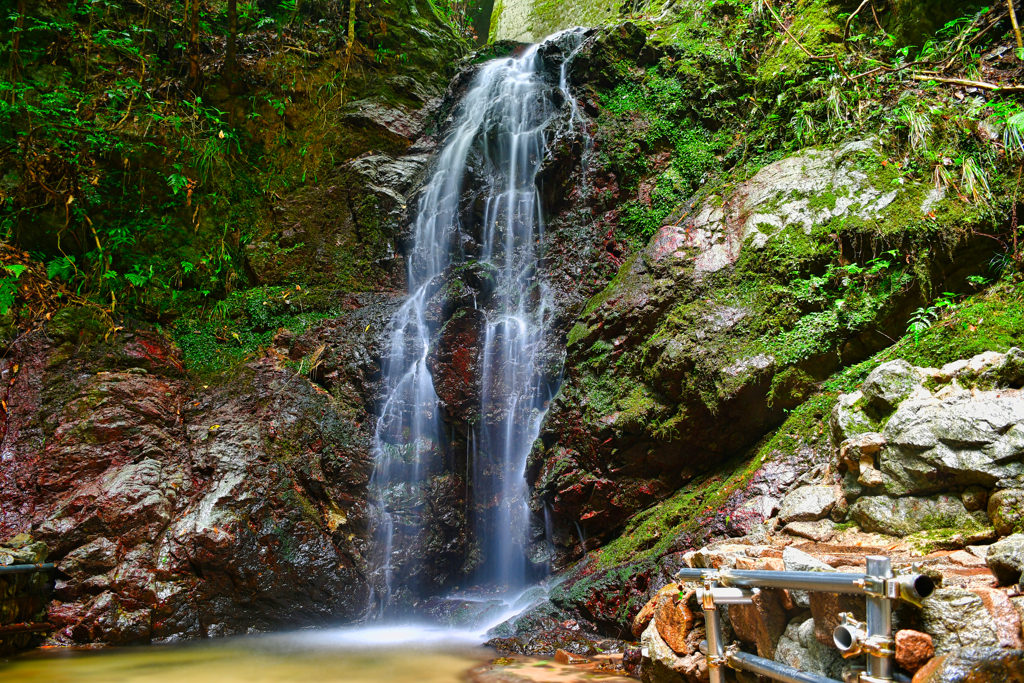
point(9, 287)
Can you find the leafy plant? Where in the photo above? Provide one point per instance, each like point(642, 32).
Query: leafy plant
point(925, 316)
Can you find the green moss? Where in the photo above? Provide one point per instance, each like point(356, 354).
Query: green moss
point(245, 324)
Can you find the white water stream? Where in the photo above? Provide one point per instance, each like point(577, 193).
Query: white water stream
point(497, 145)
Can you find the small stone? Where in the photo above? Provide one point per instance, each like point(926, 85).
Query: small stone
point(799, 561)
point(1006, 510)
point(807, 504)
point(563, 657)
point(962, 558)
point(1006, 559)
point(860, 448)
point(821, 531)
point(974, 498)
point(913, 649)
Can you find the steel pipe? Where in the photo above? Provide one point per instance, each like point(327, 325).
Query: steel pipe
point(827, 582)
point(879, 617)
point(729, 596)
point(780, 672)
point(25, 568)
point(716, 648)
point(694, 574)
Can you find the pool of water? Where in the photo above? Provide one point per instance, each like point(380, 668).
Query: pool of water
point(395, 655)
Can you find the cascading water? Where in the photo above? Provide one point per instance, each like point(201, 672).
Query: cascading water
point(495, 149)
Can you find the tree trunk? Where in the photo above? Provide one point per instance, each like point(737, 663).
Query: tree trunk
point(15, 56)
point(193, 46)
point(232, 37)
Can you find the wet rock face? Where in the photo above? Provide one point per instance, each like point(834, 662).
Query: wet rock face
point(669, 370)
point(177, 511)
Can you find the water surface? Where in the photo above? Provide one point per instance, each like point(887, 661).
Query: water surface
point(354, 656)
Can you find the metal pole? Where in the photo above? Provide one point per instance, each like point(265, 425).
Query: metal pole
point(879, 616)
point(827, 582)
point(24, 568)
point(713, 626)
point(780, 672)
point(728, 596)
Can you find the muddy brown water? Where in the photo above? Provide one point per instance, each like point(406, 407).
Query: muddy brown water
point(368, 656)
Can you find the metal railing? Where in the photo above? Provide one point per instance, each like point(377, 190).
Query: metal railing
point(25, 568)
point(874, 638)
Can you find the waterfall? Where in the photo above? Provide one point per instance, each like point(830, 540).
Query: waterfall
point(494, 151)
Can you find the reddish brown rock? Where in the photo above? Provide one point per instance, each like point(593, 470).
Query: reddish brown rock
point(646, 613)
point(1004, 615)
point(761, 623)
point(674, 621)
point(913, 649)
point(564, 657)
point(174, 510)
point(826, 608)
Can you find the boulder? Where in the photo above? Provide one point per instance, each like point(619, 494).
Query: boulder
point(1004, 615)
point(821, 531)
point(761, 623)
point(974, 665)
point(663, 665)
point(800, 649)
point(953, 439)
point(1006, 510)
point(848, 418)
point(674, 620)
point(889, 384)
point(826, 608)
point(956, 618)
point(798, 561)
point(1006, 559)
point(913, 649)
point(905, 516)
point(807, 504)
point(646, 613)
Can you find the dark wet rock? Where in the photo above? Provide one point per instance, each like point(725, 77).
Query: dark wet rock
point(1006, 559)
point(23, 597)
point(974, 665)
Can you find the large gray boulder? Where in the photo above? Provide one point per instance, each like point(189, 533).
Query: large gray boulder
point(954, 439)
point(1006, 559)
point(807, 504)
point(905, 516)
point(956, 618)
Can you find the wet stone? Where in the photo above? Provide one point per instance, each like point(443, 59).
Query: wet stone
point(913, 649)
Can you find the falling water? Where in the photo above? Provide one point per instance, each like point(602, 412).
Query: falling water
point(497, 144)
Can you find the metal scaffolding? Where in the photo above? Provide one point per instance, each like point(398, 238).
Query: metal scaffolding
point(874, 638)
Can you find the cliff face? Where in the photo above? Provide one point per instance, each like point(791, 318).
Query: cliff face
point(746, 218)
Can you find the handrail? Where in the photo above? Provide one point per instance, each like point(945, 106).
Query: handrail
point(873, 638)
point(26, 568)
